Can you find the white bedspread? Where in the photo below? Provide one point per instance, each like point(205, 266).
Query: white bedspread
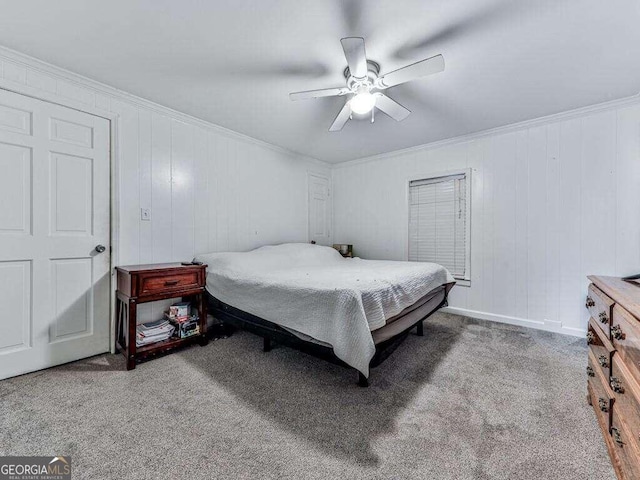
point(315, 291)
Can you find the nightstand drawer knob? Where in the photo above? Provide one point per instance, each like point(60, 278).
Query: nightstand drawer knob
point(590, 372)
point(602, 360)
point(603, 318)
point(171, 283)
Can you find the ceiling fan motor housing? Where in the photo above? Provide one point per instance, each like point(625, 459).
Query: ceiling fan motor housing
point(353, 83)
point(364, 92)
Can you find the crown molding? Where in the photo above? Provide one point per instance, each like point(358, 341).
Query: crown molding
point(556, 117)
point(40, 66)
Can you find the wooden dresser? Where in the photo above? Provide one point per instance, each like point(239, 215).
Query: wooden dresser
point(614, 368)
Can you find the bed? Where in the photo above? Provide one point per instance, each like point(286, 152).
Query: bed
point(349, 311)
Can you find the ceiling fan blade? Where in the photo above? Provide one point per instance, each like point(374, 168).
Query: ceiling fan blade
point(325, 92)
point(356, 56)
point(485, 17)
point(411, 72)
point(341, 119)
point(352, 11)
point(391, 107)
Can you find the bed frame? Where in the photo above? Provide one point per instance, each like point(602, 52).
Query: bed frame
point(273, 333)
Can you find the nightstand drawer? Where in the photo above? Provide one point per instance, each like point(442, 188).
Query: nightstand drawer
point(151, 284)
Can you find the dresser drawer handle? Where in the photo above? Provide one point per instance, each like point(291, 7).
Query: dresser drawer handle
point(589, 302)
point(170, 283)
point(603, 404)
point(602, 360)
point(616, 385)
point(590, 338)
point(603, 318)
point(616, 332)
point(616, 436)
point(590, 372)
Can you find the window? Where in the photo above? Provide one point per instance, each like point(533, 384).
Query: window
point(439, 222)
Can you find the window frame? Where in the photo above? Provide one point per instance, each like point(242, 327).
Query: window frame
point(466, 280)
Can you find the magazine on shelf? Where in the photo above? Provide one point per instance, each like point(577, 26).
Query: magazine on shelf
point(154, 331)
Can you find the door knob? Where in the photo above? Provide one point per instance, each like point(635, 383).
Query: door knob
point(100, 248)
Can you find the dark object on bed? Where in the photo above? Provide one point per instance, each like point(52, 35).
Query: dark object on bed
point(386, 339)
point(635, 279)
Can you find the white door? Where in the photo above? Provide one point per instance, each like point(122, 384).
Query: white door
point(319, 209)
point(54, 211)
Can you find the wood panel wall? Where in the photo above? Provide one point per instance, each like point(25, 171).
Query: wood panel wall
point(551, 203)
point(207, 192)
point(208, 189)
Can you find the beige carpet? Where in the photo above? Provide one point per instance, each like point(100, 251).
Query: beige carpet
point(469, 400)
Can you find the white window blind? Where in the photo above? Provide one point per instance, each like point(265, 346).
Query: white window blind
point(438, 222)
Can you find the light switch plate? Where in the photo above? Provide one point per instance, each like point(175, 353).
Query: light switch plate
point(145, 214)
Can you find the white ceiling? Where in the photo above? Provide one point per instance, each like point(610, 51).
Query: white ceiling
point(234, 62)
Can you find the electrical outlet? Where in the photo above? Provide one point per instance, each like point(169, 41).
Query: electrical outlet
point(145, 214)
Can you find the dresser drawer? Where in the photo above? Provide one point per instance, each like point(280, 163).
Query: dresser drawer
point(601, 397)
point(151, 284)
point(626, 391)
point(625, 335)
point(600, 306)
point(625, 445)
point(600, 346)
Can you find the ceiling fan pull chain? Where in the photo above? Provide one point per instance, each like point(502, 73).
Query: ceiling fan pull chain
point(373, 118)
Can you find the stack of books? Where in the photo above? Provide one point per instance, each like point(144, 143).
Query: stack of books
point(152, 332)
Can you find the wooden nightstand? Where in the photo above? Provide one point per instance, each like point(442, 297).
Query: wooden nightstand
point(148, 283)
point(341, 246)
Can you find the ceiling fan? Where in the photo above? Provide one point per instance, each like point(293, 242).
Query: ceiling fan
point(364, 84)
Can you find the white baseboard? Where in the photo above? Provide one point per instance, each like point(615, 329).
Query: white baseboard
point(547, 325)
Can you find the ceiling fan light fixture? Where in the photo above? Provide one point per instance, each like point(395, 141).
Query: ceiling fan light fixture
point(363, 102)
point(362, 76)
